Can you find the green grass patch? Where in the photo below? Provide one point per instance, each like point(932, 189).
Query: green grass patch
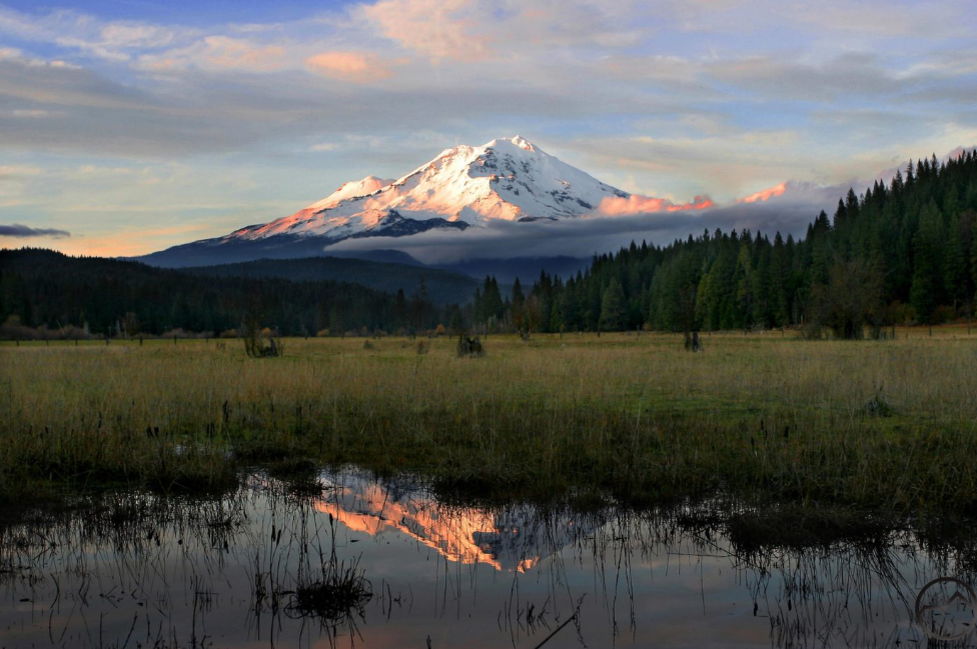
point(888, 426)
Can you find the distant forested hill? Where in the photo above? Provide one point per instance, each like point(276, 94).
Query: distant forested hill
point(443, 287)
point(900, 253)
point(46, 288)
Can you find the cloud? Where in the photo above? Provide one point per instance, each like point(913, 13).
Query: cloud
point(472, 31)
point(14, 55)
point(788, 213)
point(888, 19)
point(765, 195)
point(34, 113)
point(200, 111)
point(18, 231)
point(438, 29)
point(15, 172)
point(218, 53)
point(725, 165)
point(850, 74)
point(325, 146)
point(113, 40)
point(353, 67)
point(636, 204)
point(92, 115)
point(574, 237)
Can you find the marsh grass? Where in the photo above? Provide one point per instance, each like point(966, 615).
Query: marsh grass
point(759, 416)
point(341, 593)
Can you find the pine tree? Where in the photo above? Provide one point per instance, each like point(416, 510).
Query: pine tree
point(612, 309)
point(779, 282)
point(493, 308)
point(955, 265)
point(517, 307)
point(924, 292)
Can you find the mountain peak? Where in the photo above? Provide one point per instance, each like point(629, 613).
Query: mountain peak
point(509, 179)
point(516, 140)
point(352, 189)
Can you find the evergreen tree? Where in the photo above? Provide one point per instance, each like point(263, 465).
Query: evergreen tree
point(955, 265)
point(517, 307)
point(612, 310)
point(924, 293)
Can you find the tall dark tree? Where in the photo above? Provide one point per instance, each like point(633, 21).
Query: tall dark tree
point(612, 310)
point(924, 294)
point(850, 300)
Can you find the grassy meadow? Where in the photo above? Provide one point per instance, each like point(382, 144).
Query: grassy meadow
point(884, 426)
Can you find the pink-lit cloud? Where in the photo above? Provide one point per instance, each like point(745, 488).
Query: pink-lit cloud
point(476, 30)
point(766, 194)
point(959, 152)
point(352, 67)
point(438, 29)
point(635, 204)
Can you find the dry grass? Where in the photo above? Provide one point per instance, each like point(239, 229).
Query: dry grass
point(888, 425)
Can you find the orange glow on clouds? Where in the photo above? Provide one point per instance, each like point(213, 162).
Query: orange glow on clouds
point(776, 190)
point(700, 203)
point(354, 67)
point(443, 30)
point(635, 204)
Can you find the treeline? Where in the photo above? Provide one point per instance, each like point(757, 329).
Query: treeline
point(442, 286)
point(48, 292)
point(901, 253)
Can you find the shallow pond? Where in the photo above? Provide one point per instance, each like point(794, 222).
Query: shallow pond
point(351, 560)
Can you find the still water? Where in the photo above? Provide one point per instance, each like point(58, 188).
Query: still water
point(350, 560)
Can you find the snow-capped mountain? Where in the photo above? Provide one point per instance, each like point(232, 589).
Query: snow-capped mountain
point(509, 179)
point(510, 539)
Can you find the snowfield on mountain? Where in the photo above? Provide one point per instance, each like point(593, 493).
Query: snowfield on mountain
point(509, 178)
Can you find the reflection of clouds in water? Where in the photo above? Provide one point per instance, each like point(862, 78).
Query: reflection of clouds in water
point(507, 539)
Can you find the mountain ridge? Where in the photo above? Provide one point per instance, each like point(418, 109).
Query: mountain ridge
point(508, 179)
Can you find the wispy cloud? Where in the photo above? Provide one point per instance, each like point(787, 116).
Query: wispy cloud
point(218, 53)
point(18, 231)
point(111, 40)
point(17, 172)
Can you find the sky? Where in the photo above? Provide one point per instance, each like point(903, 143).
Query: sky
point(127, 126)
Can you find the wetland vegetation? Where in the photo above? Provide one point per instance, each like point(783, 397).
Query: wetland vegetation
point(880, 427)
point(362, 561)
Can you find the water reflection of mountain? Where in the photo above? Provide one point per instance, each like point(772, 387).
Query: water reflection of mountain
point(513, 538)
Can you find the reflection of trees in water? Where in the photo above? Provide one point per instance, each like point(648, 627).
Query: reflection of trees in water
point(144, 552)
point(277, 559)
point(857, 590)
